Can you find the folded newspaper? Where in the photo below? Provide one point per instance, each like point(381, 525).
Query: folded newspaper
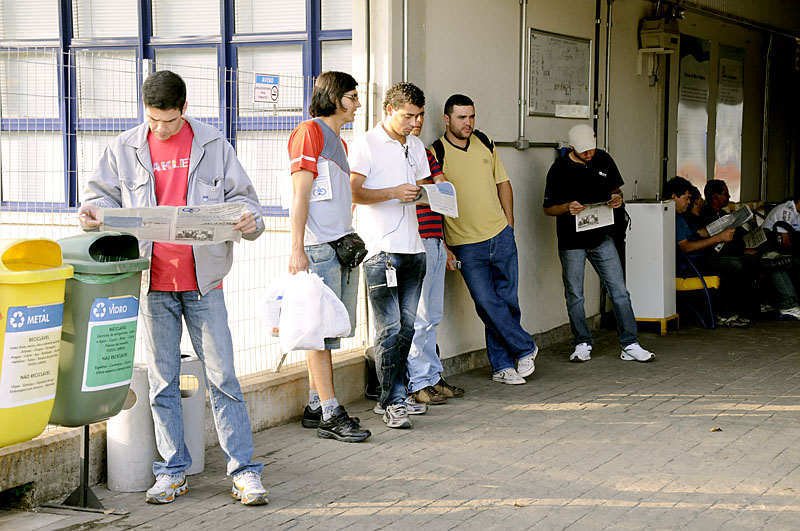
point(440, 196)
point(730, 221)
point(188, 225)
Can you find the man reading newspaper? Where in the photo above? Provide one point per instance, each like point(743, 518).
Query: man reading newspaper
point(739, 273)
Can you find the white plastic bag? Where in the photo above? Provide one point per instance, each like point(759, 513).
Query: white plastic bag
point(335, 319)
point(310, 312)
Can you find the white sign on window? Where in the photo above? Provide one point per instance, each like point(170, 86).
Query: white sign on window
point(266, 88)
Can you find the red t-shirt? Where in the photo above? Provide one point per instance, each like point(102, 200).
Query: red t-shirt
point(172, 265)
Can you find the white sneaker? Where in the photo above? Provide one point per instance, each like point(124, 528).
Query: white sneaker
point(583, 352)
point(635, 352)
point(790, 313)
point(167, 488)
point(247, 487)
point(508, 376)
point(525, 366)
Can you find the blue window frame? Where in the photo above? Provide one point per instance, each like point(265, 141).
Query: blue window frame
point(77, 124)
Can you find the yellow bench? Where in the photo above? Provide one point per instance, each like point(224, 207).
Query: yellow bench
point(697, 283)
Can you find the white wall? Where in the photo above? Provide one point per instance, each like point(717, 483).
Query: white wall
point(472, 47)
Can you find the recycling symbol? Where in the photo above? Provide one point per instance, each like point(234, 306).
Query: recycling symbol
point(99, 310)
point(17, 319)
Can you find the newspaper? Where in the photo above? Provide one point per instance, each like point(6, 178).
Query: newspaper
point(594, 216)
point(188, 225)
point(754, 238)
point(440, 196)
point(730, 221)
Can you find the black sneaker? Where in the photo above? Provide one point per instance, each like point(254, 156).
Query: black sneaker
point(342, 428)
point(312, 417)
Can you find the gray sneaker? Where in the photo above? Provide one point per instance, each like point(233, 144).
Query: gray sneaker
point(167, 488)
point(413, 407)
point(396, 416)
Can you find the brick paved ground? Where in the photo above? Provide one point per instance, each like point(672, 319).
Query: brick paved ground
point(605, 444)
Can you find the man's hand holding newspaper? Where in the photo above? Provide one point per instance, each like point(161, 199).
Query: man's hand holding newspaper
point(440, 196)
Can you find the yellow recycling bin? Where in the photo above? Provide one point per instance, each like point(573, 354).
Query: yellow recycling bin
point(32, 280)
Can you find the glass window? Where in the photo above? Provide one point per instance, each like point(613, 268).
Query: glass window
point(32, 166)
point(275, 16)
point(107, 84)
point(285, 61)
point(282, 59)
point(265, 158)
point(198, 68)
point(180, 18)
point(337, 55)
point(30, 84)
point(31, 19)
point(337, 14)
point(94, 19)
point(89, 150)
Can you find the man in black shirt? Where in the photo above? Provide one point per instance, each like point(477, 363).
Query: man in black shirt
point(586, 176)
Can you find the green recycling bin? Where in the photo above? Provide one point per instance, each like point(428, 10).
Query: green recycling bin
point(98, 336)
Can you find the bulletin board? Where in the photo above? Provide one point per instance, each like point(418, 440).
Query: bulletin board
point(559, 75)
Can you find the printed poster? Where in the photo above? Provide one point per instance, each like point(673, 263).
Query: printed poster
point(31, 346)
point(730, 109)
point(693, 110)
point(110, 343)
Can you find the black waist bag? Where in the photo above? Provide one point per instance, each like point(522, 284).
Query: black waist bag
point(350, 250)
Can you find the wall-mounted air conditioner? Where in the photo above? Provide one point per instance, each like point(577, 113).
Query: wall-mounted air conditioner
point(659, 33)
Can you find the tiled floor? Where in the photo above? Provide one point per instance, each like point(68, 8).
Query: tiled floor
point(705, 437)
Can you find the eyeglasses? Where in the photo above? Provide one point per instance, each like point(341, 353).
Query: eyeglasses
point(353, 97)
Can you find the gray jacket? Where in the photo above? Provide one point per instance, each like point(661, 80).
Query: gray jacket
point(124, 178)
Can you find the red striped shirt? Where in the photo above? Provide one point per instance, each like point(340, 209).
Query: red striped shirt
point(430, 222)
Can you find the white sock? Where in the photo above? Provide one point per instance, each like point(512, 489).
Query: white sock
point(327, 408)
point(313, 399)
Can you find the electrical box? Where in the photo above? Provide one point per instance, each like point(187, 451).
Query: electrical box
point(659, 33)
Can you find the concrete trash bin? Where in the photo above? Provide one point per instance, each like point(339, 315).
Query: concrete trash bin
point(193, 401)
point(131, 439)
point(130, 435)
point(32, 280)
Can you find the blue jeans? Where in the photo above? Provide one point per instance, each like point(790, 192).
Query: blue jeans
point(394, 311)
point(605, 261)
point(491, 273)
point(787, 296)
point(322, 260)
point(424, 366)
point(207, 321)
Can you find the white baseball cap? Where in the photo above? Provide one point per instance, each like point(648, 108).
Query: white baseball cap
point(581, 138)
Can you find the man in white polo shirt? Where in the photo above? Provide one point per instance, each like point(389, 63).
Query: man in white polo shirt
point(385, 166)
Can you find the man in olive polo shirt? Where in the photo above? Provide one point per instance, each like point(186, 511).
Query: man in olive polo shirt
point(482, 238)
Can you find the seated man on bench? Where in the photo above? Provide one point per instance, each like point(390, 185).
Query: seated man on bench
point(729, 268)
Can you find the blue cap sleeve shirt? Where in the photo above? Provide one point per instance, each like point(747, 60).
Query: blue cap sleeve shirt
point(569, 181)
